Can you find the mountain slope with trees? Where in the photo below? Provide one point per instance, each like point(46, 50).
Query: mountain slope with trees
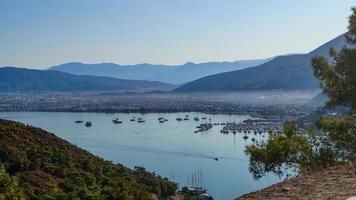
point(331, 142)
point(291, 72)
point(35, 164)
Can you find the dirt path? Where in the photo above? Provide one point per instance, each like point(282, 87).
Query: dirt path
point(330, 184)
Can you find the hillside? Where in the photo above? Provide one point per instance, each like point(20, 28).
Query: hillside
point(24, 80)
point(291, 72)
point(174, 74)
point(337, 183)
point(318, 101)
point(35, 164)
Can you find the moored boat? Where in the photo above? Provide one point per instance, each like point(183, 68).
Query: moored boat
point(88, 124)
point(116, 121)
point(140, 120)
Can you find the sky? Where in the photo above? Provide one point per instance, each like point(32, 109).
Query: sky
point(44, 33)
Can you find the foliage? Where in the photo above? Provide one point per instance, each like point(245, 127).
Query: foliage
point(342, 131)
point(9, 186)
point(337, 141)
point(351, 35)
point(48, 167)
point(190, 195)
point(338, 78)
point(291, 149)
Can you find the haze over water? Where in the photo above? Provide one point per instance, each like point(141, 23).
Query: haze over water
point(171, 149)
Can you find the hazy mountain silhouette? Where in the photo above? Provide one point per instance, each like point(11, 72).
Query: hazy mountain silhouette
point(25, 80)
point(165, 73)
point(290, 72)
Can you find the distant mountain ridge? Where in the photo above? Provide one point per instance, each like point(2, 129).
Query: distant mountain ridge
point(291, 72)
point(29, 80)
point(173, 74)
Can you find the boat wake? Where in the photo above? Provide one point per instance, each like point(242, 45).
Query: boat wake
point(162, 151)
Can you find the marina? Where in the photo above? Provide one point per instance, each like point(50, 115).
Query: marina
point(255, 127)
point(170, 148)
point(249, 126)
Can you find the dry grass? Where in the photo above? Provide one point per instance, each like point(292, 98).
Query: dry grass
point(329, 184)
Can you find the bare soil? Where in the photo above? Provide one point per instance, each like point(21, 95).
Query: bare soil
point(333, 183)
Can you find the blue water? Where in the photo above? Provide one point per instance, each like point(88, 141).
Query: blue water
point(170, 149)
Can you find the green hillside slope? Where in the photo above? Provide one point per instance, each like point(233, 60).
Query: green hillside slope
point(35, 164)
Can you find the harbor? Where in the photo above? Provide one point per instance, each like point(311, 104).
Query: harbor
point(163, 145)
point(248, 126)
point(252, 126)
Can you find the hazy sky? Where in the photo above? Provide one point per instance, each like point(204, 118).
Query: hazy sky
point(43, 33)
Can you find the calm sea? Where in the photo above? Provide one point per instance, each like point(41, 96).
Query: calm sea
point(171, 149)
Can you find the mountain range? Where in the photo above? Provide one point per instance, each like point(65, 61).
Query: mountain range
point(290, 72)
point(29, 80)
point(173, 74)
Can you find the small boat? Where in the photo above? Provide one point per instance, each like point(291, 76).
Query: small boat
point(140, 120)
point(116, 121)
point(133, 119)
point(78, 121)
point(245, 137)
point(179, 119)
point(166, 120)
point(186, 118)
point(203, 118)
point(196, 119)
point(161, 121)
point(88, 124)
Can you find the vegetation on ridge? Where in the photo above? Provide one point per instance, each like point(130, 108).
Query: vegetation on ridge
point(35, 164)
point(335, 140)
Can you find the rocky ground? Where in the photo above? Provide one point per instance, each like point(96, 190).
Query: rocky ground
point(329, 184)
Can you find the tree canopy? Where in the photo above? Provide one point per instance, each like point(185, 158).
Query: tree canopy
point(338, 77)
point(335, 142)
point(35, 164)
